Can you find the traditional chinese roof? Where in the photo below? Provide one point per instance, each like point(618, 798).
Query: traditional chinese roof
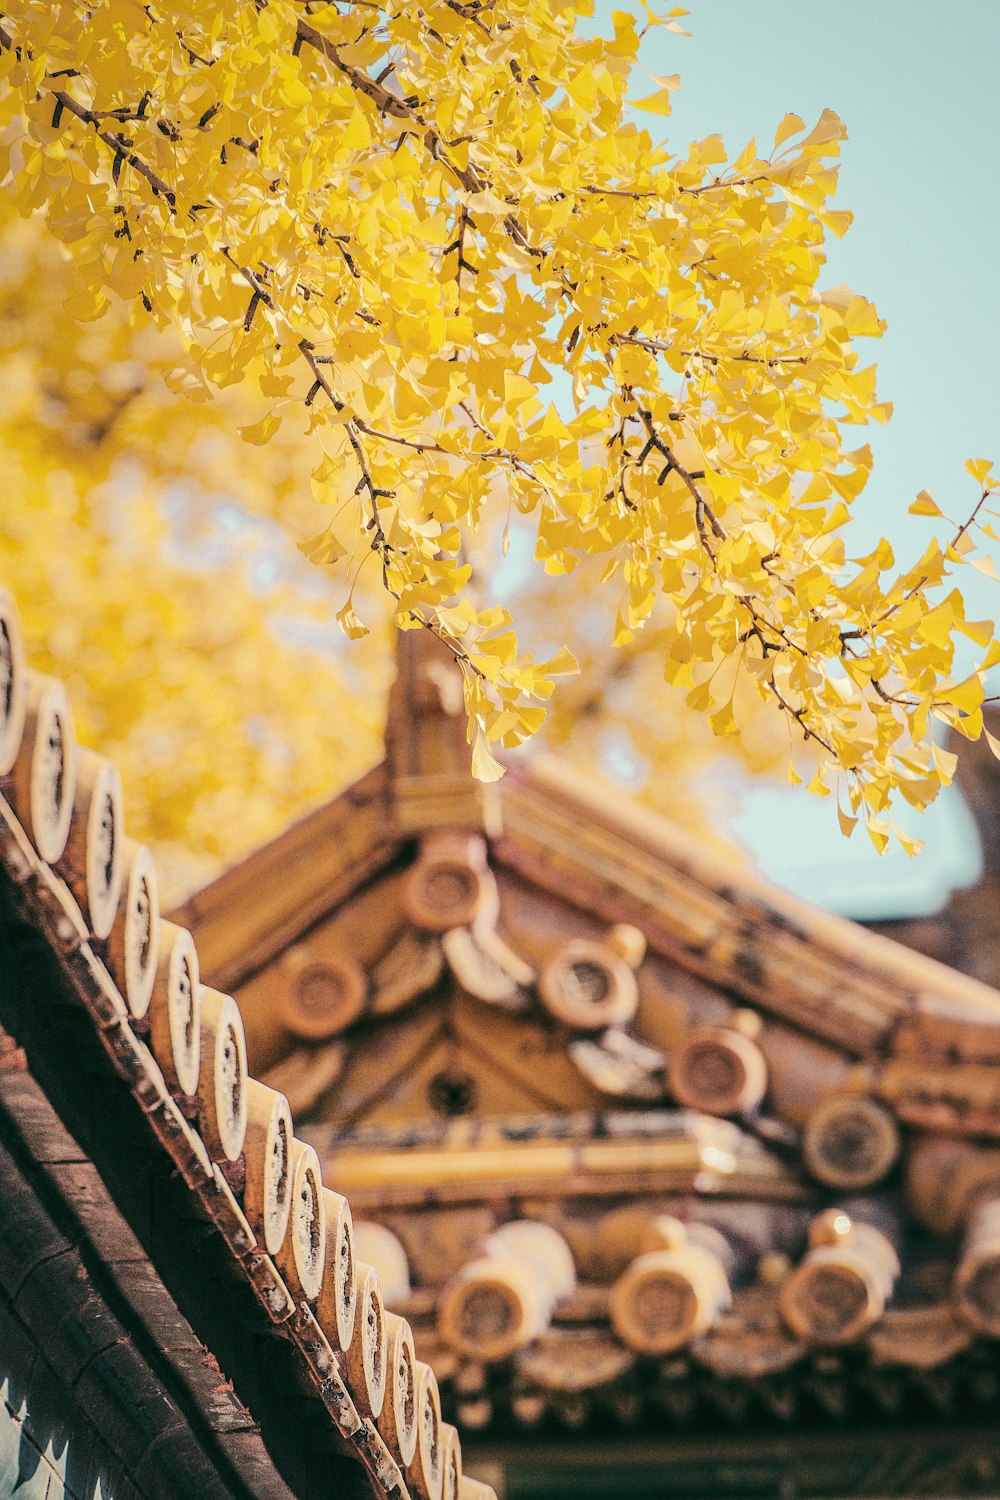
point(173, 1254)
point(636, 1135)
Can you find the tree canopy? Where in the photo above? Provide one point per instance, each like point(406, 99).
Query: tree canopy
point(153, 557)
point(426, 250)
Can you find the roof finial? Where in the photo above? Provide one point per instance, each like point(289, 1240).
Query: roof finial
point(426, 741)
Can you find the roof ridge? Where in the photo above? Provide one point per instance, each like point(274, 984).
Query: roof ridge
point(573, 792)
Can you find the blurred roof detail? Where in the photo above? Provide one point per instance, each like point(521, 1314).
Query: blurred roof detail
point(637, 1136)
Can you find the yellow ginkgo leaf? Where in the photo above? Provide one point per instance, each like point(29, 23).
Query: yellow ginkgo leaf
point(350, 623)
point(789, 126)
point(925, 505)
point(485, 766)
point(847, 823)
point(981, 469)
point(493, 306)
point(654, 104)
point(260, 432)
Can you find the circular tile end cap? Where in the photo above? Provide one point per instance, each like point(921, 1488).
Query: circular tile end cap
point(850, 1141)
point(719, 1072)
point(323, 993)
point(588, 987)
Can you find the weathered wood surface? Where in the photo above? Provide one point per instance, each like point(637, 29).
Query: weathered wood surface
point(565, 831)
point(259, 907)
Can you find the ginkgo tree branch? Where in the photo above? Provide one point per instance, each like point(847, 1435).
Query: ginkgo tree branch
point(472, 181)
point(289, 188)
point(354, 428)
point(661, 346)
point(120, 145)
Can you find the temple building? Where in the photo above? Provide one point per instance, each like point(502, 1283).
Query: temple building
point(676, 1179)
point(663, 1182)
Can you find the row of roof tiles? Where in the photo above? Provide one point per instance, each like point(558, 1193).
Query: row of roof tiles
point(180, 1047)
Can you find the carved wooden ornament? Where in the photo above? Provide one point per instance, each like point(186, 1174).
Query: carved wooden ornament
point(668, 1295)
point(842, 1286)
point(977, 1276)
point(134, 941)
point(751, 1342)
point(450, 885)
point(619, 1066)
point(45, 770)
point(718, 1071)
point(922, 1337)
point(500, 1302)
point(175, 1009)
point(222, 1087)
point(490, 1309)
point(850, 1142)
point(410, 968)
point(946, 1175)
point(486, 967)
point(267, 1155)
point(574, 1359)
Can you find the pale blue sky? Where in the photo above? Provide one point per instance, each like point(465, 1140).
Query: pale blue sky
point(916, 84)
